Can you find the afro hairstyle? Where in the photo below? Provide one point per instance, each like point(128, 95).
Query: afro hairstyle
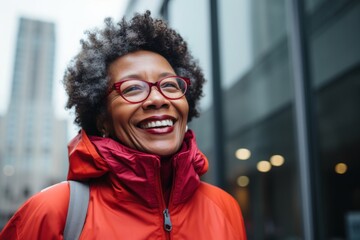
point(86, 78)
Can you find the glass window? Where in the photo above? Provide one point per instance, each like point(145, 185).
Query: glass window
point(334, 51)
point(261, 160)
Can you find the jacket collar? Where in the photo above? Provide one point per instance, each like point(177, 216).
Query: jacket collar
point(92, 157)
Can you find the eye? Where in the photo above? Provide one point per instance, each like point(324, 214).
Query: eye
point(133, 87)
point(171, 84)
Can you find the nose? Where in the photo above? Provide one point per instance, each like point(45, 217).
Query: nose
point(155, 100)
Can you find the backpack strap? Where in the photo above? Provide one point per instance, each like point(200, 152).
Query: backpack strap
point(78, 204)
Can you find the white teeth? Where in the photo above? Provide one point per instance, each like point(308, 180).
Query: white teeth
point(163, 123)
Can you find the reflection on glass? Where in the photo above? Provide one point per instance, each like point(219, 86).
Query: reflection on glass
point(243, 154)
point(263, 166)
point(277, 160)
point(243, 181)
point(341, 168)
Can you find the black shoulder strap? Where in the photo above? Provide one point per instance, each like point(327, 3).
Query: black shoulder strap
point(78, 205)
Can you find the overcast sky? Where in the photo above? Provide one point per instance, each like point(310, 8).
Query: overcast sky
point(71, 18)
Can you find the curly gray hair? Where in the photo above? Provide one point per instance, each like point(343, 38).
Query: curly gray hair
point(86, 80)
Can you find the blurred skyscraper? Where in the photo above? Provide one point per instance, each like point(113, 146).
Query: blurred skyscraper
point(33, 143)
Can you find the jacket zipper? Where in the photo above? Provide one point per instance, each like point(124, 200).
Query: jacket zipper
point(165, 212)
point(167, 220)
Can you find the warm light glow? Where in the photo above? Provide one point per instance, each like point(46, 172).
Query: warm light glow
point(341, 168)
point(263, 166)
point(243, 154)
point(8, 170)
point(277, 160)
point(243, 181)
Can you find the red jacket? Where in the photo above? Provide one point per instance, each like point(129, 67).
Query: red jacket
point(127, 200)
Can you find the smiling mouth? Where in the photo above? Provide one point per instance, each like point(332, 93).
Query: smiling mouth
point(157, 124)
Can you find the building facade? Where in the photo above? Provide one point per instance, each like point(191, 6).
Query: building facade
point(33, 148)
point(280, 119)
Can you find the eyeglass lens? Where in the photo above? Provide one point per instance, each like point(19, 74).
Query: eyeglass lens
point(138, 90)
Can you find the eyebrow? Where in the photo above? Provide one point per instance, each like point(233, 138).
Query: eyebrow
point(161, 75)
point(165, 74)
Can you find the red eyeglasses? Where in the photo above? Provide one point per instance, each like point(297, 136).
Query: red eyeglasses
point(136, 90)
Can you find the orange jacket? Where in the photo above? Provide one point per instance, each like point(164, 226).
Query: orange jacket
point(126, 197)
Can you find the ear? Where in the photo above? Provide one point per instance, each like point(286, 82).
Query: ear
point(102, 126)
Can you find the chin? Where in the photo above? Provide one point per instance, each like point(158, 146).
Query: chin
point(163, 152)
point(162, 147)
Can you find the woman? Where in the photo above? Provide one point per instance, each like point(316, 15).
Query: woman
point(134, 87)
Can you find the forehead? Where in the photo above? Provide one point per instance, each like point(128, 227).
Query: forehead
point(139, 63)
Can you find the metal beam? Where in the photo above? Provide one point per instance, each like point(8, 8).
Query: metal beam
point(303, 112)
point(220, 161)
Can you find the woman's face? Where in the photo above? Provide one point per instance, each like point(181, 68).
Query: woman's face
point(130, 123)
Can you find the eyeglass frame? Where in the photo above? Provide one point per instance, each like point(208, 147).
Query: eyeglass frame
point(116, 86)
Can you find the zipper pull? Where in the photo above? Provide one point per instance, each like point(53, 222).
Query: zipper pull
point(167, 221)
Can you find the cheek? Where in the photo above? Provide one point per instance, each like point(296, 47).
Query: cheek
point(120, 115)
point(184, 109)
